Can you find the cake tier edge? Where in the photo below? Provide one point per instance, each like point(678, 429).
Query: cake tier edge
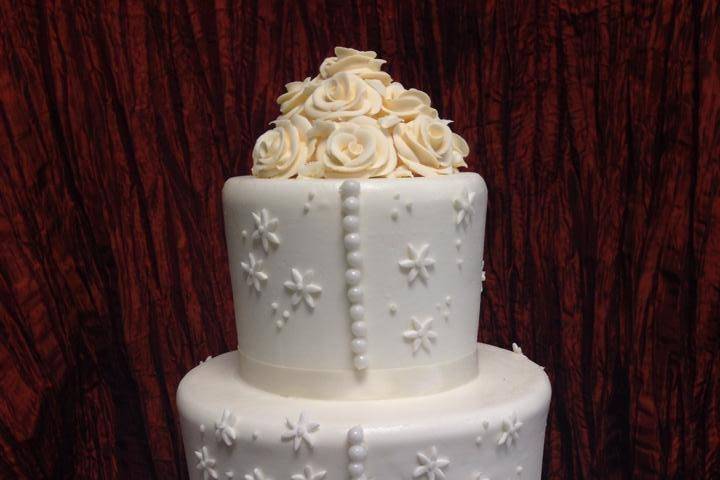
point(491, 427)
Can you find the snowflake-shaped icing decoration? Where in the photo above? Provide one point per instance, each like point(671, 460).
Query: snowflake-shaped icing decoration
point(300, 431)
point(256, 474)
point(265, 229)
point(302, 288)
point(431, 465)
point(205, 464)
point(463, 207)
point(254, 276)
point(308, 474)
point(417, 263)
point(420, 334)
point(510, 431)
point(225, 428)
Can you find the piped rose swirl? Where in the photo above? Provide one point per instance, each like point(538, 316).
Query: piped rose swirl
point(353, 121)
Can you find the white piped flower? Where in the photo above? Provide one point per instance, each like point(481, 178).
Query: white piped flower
point(417, 263)
point(300, 431)
point(308, 474)
point(421, 334)
point(341, 97)
point(357, 148)
point(365, 65)
point(510, 431)
point(254, 275)
point(279, 152)
point(225, 428)
point(265, 229)
point(292, 100)
point(464, 207)
point(302, 289)
point(206, 464)
point(431, 465)
point(428, 147)
point(406, 104)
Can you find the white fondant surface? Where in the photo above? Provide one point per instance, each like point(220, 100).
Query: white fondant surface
point(407, 239)
point(464, 424)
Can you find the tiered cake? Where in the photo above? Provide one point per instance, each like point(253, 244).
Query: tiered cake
point(356, 261)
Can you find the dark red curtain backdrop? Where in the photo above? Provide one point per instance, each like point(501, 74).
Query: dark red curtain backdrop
point(595, 125)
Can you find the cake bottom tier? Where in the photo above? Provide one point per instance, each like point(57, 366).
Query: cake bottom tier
point(490, 428)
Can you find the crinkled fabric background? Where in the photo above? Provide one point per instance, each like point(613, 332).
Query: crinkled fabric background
point(595, 125)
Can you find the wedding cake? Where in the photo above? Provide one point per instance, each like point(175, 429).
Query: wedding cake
point(356, 258)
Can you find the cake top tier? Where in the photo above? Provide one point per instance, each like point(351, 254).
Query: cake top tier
point(353, 121)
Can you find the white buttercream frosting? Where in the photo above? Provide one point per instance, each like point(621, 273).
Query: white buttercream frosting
point(353, 121)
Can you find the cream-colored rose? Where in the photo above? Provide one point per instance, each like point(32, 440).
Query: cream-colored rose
point(281, 151)
point(292, 100)
point(366, 65)
point(341, 97)
point(406, 104)
point(427, 146)
point(359, 148)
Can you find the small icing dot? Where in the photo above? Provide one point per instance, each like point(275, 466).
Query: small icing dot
point(352, 241)
point(274, 306)
point(394, 214)
point(350, 188)
point(255, 435)
point(350, 206)
point(357, 453)
point(351, 223)
point(352, 276)
point(393, 308)
point(355, 294)
point(357, 312)
point(311, 195)
point(360, 362)
point(356, 469)
point(458, 243)
point(358, 346)
point(408, 206)
point(243, 234)
point(396, 196)
point(202, 428)
point(448, 300)
point(459, 262)
point(486, 424)
point(438, 306)
point(519, 469)
point(354, 259)
point(286, 314)
point(359, 329)
point(306, 208)
point(279, 324)
point(355, 435)
point(230, 474)
point(478, 440)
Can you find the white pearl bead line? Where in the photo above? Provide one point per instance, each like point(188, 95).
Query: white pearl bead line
point(357, 453)
point(350, 197)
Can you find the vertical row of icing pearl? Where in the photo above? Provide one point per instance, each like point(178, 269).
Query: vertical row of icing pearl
point(350, 197)
point(357, 453)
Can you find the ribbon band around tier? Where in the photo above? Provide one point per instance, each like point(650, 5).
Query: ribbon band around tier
point(370, 384)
